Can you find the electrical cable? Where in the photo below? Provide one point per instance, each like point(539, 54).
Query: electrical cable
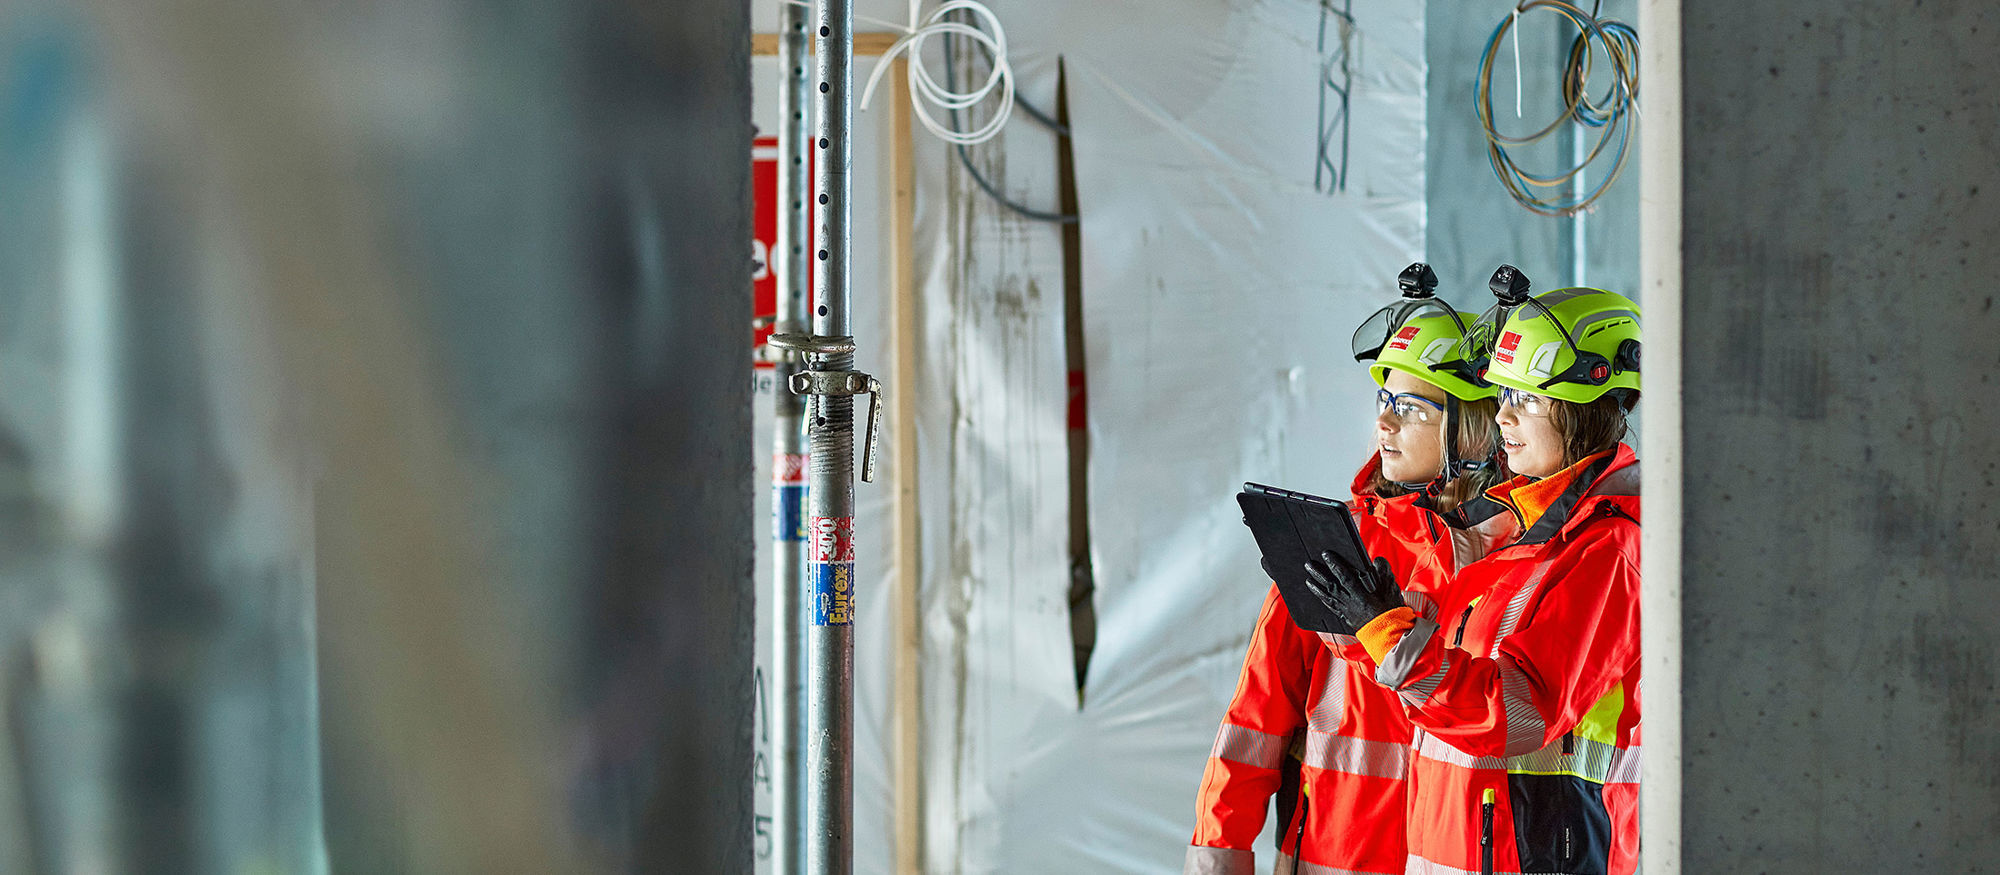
point(1611, 114)
point(944, 23)
point(965, 157)
point(925, 89)
point(1033, 112)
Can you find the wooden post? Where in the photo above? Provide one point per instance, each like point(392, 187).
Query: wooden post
point(909, 640)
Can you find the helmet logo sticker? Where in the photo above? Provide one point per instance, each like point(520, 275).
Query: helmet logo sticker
point(1403, 337)
point(1543, 364)
point(1509, 342)
point(1436, 352)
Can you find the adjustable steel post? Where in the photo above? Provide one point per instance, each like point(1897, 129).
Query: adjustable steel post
point(788, 468)
point(831, 383)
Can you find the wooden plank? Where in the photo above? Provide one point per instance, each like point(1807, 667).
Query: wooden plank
point(907, 770)
point(866, 45)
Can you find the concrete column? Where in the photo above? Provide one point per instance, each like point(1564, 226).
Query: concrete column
point(1841, 440)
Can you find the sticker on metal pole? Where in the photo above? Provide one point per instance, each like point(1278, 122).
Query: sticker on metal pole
point(788, 510)
point(832, 571)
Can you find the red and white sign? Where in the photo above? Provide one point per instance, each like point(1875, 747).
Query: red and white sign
point(1509, 342)
point(788, 469)
point(764, 279)
point(832, 539)
point(1403, 337)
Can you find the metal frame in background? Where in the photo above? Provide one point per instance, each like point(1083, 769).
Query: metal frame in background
point(908, 635)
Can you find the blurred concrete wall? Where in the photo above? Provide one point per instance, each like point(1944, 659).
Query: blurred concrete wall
point(375, 479)
point(1842, 446)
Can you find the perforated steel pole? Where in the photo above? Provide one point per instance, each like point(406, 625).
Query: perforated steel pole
point(788, 468)
point(830, 609)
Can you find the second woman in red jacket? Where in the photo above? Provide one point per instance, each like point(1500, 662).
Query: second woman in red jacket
point(1527, 706)
point(1297, 705)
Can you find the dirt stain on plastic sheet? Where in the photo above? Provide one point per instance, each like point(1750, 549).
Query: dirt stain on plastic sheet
point(990, 358)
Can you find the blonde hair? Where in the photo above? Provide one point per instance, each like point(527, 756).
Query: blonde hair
point(1478, 436)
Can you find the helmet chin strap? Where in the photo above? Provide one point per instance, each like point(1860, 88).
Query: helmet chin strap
point(1449, 470)
point(1453, 467)
point(1445, 474)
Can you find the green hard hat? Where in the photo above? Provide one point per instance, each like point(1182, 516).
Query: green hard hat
point(1571, 344)
point(1422, 336)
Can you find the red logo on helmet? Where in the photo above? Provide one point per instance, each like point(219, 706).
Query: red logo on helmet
point(1509, 342)
point(1403, 337)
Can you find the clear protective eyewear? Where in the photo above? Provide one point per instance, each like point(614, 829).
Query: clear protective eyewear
point(1406, 407)
point(1528, 403)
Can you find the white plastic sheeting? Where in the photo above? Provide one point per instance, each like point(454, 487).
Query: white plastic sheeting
point(1220, 285)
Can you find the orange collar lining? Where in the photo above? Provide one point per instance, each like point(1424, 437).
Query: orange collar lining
point(1530, 498)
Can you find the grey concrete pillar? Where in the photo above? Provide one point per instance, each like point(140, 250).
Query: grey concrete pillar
point(1841, 441)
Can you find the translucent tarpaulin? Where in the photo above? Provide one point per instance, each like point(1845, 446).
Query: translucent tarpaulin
point(1250, 180)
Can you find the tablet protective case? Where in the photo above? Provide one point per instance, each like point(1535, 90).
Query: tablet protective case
point(1292, 527)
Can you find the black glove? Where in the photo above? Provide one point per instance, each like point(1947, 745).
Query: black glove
point(1355, 595)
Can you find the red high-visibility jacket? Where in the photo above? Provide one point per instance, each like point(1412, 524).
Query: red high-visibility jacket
point(1533, 693)
point(1356, 740)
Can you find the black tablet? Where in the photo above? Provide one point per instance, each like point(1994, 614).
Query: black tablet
point(1292, 527)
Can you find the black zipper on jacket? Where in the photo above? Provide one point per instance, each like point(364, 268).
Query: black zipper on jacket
point(1305, 806)
point(1463, 619)
point(1486, 834)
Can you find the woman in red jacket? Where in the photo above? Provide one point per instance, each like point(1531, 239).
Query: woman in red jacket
point(1347, 737)
point(1527, 706)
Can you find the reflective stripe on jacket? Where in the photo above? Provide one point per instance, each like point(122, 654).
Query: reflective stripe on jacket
point(1534, 693)
point(1356, 739)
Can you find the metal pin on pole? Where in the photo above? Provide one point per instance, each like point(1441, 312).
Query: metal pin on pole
point(788, 470)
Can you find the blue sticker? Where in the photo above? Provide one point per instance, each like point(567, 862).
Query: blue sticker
point(832, 594)
point(788, 513)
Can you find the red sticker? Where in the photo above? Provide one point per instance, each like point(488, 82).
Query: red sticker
point(788, 468)
point(832, 539)
point(1403, 337)
point(1509, 342)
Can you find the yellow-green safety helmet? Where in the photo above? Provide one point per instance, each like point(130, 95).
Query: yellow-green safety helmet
point(1573, 344)
point(1422, 336)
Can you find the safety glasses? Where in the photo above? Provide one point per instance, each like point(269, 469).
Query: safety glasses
point(1528, 403)
point(1405, 407)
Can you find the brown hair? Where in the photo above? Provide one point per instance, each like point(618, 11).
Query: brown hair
point(1591, 428)
point(1477, 438)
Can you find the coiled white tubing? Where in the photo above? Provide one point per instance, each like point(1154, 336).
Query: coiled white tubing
point(926, 91)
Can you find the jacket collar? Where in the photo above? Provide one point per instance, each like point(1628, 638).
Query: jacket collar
point(1365, 478)
point(1474, 512)
point(1554, 504)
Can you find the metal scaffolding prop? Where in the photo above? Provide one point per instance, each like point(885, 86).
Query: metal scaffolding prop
point(788, 470)
point(830, 381)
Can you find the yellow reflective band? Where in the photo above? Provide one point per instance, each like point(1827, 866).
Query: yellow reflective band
point(1578, 775)
point(1600, 723)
